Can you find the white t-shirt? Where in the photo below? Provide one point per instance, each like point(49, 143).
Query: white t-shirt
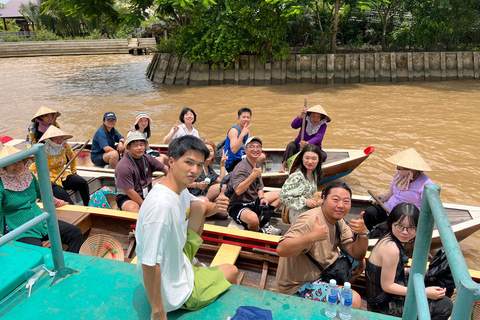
point(183, 131)
point(161, 234)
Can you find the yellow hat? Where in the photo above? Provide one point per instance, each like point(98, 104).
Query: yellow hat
point(319, 109)
point(409, 159)
point(52, 132)
point(43, 111)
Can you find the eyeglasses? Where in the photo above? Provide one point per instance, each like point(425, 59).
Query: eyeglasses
point(400, 228)
point(255, 147)
point(111, 120)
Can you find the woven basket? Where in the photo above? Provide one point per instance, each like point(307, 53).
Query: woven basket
point(98, 246)
point(476, 308)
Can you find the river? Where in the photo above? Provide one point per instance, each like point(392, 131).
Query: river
point(439, 119)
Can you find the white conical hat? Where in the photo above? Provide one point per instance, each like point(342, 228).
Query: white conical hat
point(43, 111)
point(319, 109)
point(8, 151)
point(52, 132)
point(409, 159)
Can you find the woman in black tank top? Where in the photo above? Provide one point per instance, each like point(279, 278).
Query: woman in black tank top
point(385, 278)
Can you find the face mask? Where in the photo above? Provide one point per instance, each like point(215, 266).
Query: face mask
point(403, 179)
point(53, 149)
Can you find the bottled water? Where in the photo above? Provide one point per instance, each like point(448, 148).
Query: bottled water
point(346, 300)
point(332, 298)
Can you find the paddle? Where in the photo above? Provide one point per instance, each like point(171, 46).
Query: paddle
point(379, 202)
point(303, 121)
point(70, 162)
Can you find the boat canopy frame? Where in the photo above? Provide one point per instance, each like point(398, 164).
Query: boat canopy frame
point(49, 215)
point(432, 211)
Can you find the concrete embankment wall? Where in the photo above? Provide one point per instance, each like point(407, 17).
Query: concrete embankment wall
point(320, 68)
point(63, 47)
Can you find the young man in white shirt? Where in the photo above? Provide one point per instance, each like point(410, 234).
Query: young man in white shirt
point(168, 236)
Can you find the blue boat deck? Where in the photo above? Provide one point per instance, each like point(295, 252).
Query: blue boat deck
point(108, 289)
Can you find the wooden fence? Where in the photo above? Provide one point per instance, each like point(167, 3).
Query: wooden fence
point(319, 68)
point(63, 47)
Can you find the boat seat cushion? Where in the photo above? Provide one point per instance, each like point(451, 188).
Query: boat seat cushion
point(20, 259)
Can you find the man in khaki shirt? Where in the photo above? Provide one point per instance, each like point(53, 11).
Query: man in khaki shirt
point(314, 232)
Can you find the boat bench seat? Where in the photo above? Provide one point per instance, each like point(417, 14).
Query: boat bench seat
point(80, 219)
point(227, 254)
point(17, 260)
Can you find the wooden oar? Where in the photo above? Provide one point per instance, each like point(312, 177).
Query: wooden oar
point(70, 162)
point(303, 121)
point(380, 203)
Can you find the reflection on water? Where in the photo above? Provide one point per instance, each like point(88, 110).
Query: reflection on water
point(438, 119)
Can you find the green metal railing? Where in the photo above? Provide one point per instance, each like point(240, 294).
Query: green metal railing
point(467, 290)
point(49, 215)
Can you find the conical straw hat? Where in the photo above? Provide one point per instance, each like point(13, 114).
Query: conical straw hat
point(409, 159)
point(52, 132)
point(8, 151)
point(43, 111)
point(319, 109)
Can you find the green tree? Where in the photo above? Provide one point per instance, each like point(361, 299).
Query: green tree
point(385, 9)
point(223, 31)
point(444, 24)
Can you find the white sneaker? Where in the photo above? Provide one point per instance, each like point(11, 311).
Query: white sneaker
point(269, 229)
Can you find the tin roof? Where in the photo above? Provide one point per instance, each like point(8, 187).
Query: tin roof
point(11, 9)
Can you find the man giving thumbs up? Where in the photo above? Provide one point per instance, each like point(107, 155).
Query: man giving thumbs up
point(315, 241)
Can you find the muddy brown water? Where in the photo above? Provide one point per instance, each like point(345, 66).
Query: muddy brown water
point(439, 119)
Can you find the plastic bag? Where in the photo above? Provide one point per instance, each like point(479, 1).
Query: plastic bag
point(439, 273)
point(252, 313)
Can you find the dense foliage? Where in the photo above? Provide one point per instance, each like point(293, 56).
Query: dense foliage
point(217, 30)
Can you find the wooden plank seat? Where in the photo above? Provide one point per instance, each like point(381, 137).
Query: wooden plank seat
point(79, 218)
point(227, 254)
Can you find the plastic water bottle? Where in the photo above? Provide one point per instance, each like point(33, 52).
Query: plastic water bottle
point(332, 298)
point(346, 300)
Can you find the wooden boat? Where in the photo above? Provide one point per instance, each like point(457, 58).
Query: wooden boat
point(465, 220)
point(108, 289)
point(339, 163)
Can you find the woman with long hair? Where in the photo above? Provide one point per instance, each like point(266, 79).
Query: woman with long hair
point(301, 185)
point(385, 278)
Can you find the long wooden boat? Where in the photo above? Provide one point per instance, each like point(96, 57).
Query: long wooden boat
point(465, 220)
point(339, 163)
point(254, 254)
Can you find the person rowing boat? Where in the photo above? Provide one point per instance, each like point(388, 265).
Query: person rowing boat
point(317, 120)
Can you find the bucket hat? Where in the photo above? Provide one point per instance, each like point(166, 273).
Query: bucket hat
point(141, 115)
point(134, 136)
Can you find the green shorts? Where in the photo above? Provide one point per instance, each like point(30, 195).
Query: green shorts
point(209, 282)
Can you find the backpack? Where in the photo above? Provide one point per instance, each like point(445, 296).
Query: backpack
point(228, 181)
point(219, 154)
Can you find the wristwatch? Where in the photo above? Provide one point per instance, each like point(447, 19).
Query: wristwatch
point(365, 235)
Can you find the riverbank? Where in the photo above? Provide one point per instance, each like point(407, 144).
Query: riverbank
point(319, 69)
point(63, 48)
